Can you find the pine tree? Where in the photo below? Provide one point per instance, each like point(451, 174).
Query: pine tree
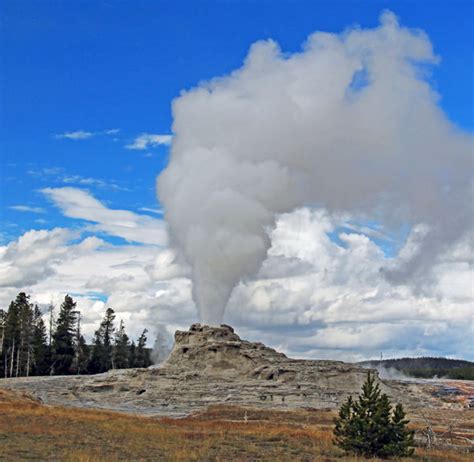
point(380, 427)
point(82, 364)
point(17, 332)
point(101, 356)
point(133, 355)
point(17, 329)
point(63, 338)
point(108, 329)
point(142, 354)
point(39, 344)
point(27, 347)
point(25, 354)
point(402, 439)
point(121, 348)
point(368, 427)
point(81, 350)
point(96, 362)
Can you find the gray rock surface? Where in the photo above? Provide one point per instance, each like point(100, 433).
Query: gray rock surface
point(208, 365)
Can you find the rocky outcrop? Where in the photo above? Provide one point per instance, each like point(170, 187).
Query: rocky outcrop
point(219, 351)
point(208, 365)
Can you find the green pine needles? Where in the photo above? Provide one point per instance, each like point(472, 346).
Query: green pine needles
point(370, 427)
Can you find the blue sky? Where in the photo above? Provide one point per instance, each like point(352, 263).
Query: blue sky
point(85, 127)
point(96, 66)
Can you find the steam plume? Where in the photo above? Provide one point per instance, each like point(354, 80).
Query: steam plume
point(349, 123)
point(162, 346)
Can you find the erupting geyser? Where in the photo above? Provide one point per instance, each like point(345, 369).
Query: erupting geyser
point(349, 124)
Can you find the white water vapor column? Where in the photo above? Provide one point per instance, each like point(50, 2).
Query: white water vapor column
point(350, 123)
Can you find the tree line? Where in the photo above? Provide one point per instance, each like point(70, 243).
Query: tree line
point(28, 347)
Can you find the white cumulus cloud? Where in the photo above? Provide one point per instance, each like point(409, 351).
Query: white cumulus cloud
point(80, 204)
point(311, 298)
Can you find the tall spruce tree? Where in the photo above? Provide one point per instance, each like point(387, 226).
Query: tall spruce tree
point(82, 355)
point(51, 324)
point(39, 344)
point(96, 363)
point(121, 348)
point(24, 353)
point(63, 338)
point(133, 354)
point(369, 428)
point(101, 355)
point(142, 354)
point(108, 330)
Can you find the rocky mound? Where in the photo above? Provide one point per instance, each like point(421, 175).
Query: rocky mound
point(219, 350)
point(208, 365)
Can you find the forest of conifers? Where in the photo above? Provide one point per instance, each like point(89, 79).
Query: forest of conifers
point(28, 347)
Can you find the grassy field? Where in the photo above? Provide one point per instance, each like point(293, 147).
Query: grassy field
point(32, 431)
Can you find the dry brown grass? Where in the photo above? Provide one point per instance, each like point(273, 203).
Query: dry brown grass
point(32, 431)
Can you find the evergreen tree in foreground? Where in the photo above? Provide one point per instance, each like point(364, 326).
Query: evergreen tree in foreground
point(368, 427)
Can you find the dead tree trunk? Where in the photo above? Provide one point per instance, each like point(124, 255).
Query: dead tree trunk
point(28, 363)
point(11, 359)
point(18, 361)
